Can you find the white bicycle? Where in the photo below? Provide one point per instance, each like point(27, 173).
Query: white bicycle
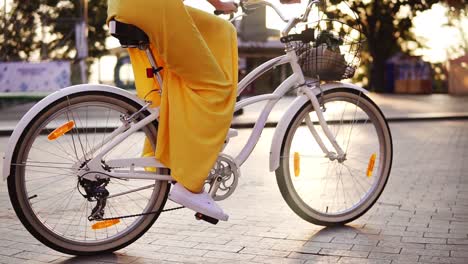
point(78, 183)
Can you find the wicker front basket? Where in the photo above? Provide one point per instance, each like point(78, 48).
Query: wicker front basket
point(328, 65)
point(333, 58)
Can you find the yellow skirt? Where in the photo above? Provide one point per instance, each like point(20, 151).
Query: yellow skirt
point(199, 54)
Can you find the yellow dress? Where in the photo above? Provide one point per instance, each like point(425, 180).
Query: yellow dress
point(199, 54)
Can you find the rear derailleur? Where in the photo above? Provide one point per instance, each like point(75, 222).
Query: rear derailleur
point(95, 191)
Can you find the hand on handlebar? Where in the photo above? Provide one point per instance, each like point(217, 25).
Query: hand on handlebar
point(224, 7)
point(290, 1)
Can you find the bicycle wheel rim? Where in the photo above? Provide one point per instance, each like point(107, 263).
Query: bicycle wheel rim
point(37, 220)
point(294, 197)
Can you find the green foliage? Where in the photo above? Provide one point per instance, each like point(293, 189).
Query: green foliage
point(28, 20)
point(439, 81)
point(457, 12)
point(387, 26)
point(17, 32)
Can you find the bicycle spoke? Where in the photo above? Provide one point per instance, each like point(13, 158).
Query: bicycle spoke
point(131, 190)
point(332, 188)
point(52, 185)
point(354, 118)
point(53, 154)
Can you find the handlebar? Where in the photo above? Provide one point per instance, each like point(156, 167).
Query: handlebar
point(303, 18)
point(249, 3)
point(247, 6)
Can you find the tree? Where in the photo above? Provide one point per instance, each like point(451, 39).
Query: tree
point(49, 26)
point(17, 32)
point(60, 17)
point(457, 12)
point(386, 25)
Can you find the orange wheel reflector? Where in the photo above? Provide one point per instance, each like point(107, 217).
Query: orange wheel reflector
point(297, 164)
point(105, 224)
point(61, 130)
point(370, 166)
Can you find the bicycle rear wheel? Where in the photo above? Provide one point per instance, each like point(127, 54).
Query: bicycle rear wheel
point(327, 191)
point(45, 190)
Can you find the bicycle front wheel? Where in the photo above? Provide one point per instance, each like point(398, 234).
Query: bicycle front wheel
point(328, 191)
point(50, 198)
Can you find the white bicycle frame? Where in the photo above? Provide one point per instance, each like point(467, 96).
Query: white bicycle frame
point(134, 168)
point(135, 165)
point(296, 80)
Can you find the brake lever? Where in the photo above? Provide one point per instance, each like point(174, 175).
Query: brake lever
point(218, 12)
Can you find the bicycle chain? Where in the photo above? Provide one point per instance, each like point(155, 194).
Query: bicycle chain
point(135, 215)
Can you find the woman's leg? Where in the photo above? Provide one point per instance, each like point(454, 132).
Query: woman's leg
point(199, 52)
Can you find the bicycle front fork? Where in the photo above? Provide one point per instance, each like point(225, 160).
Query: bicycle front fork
point(339, 155)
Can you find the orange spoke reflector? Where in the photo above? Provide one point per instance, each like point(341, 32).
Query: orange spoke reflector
point(297, 164)
point(61, 130)
point(105, 224)
point(370, 166)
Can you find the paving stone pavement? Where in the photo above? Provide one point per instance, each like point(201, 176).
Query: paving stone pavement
point(396, 107)
point(422, 216)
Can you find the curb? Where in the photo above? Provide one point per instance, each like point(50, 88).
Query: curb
point(463, 117)
point(249, 125)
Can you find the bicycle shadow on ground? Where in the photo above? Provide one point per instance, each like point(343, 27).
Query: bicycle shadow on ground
point(99, 259)
point(326, 245)
point(331, 241)
point(328, 234)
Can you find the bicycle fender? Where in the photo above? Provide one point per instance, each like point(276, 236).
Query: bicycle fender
point(286, 119)
point(45, 102)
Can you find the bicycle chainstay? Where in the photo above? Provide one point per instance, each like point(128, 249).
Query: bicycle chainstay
point(135, 215)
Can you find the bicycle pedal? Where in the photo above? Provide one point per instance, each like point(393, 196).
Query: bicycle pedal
point(209, 219)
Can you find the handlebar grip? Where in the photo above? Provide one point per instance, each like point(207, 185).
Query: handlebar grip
point(291, 37)
point(306, 36)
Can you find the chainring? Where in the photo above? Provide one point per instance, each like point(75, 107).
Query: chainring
point(224, 177)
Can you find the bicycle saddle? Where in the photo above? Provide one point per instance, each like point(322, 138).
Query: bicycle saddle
point(128, 35)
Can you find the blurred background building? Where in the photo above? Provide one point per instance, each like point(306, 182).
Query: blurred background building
point(39, 36)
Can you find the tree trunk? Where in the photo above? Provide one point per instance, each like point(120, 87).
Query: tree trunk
point(377, 74)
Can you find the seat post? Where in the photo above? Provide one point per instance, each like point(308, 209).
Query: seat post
point(131, 36)
point(155, 66)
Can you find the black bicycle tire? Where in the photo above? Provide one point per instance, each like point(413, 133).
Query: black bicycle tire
point(281, 178)
point(12, 185)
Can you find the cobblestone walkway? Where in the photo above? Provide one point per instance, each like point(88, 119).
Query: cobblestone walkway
point(422, 216)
